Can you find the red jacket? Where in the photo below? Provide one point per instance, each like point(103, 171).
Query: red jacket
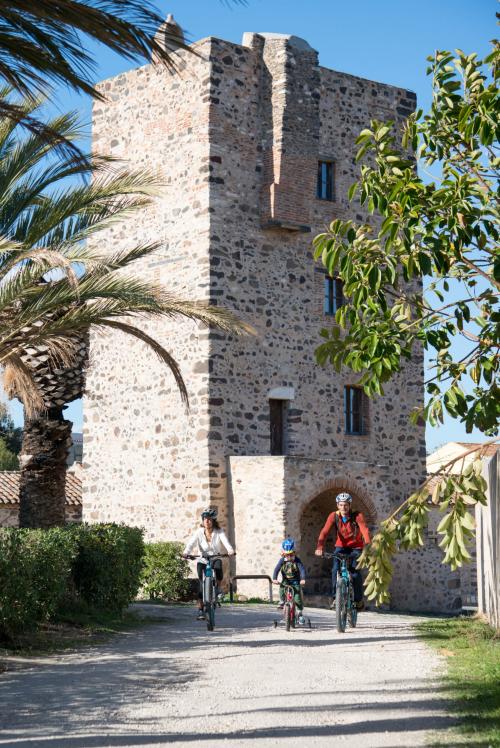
point(351, 534)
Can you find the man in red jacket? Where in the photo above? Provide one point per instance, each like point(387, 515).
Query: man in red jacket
point(351, 533)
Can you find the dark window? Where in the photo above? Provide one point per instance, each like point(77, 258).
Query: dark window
point(334, 294)
point(277, 412)
point(353, 410)
point(326, 176)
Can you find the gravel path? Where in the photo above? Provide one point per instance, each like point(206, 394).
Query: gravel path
point(246, 684)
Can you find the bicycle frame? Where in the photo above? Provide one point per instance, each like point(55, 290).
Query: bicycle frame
point(289, 608)
point(209, 588)
point(345, 607)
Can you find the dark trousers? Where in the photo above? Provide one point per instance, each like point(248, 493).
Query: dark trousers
point(216, 566)
point(357, 581)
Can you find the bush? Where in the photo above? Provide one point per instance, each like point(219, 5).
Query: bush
point(107, 569)
point(81, 566)
point(165, 572)
point(35, 568)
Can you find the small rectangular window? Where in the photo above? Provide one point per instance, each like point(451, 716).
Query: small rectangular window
point(353, 410)
point(277, 413)
point(326, 177)
point(334, 294)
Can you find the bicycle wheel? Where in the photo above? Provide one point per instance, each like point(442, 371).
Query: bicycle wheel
point(353, 616)
point(208, 588)
point(287, 613)
point(341, 605)
point(293, 616)
point(352, 611)
point(210, 613)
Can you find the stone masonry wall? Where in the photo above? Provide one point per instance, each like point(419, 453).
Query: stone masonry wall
point(145, 456)
point(259, 515)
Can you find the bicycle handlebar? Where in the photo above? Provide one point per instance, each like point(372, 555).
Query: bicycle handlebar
point(209, 555)
point(334, 555)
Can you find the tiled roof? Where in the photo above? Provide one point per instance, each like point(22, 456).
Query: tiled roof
point(488, 451)
point(9, 488)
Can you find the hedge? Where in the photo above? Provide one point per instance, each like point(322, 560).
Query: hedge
point(165, 572)
point(35, 570)
point(97, 566)
point(107, 569)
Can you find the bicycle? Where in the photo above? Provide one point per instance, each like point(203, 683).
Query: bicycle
point(345, 607)
point(290, 612)
point(209, 588)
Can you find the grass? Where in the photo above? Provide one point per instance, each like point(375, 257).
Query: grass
point(472, 649)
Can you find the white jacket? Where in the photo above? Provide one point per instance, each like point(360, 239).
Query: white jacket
point(218, 544)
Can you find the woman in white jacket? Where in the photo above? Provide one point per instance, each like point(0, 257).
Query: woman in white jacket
point(209, 538)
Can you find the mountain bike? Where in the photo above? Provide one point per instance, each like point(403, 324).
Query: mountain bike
point(290, 611)
point(345, 607)
point(209, 588)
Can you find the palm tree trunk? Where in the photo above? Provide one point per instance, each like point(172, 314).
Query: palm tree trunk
point(42, 490)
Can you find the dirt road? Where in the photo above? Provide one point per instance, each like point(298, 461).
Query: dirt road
point(246, 684)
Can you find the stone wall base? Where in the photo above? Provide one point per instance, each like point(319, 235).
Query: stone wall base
point(276, 497)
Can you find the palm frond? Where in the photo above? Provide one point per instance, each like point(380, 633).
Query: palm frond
point(45, 260)
point(161, 352)
point(75, 213)
point(18, 382)
point(16, 114)
point(60, 350)
point(41, 43)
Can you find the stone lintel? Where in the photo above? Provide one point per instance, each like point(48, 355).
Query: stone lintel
point(286, 225)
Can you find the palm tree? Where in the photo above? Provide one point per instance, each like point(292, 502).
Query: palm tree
point(53, 289)
point(42, 44)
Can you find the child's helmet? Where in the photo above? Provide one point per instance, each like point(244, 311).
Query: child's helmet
point(288, 546)
point(344, 497)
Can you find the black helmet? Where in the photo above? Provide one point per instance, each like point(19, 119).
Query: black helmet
point(209, 514)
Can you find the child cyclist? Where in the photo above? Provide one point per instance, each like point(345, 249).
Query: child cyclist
point(292, 573)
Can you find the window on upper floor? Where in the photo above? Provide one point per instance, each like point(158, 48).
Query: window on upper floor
point(334, 294)
point(326, 180)
point(354, 410)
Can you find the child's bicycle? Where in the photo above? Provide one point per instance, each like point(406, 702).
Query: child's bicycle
point(345, 607)
point(290, 612)
point(209, 588)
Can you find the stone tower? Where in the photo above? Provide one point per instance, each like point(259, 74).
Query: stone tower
point(255, 144)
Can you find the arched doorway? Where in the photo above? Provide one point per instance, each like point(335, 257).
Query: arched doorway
point(312, 519)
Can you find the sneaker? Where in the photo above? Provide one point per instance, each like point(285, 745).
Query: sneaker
point(301, 620)
point(200, 616)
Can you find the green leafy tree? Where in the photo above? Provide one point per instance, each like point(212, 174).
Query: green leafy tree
point(11, 434)
point(8, 459)
point(442, 230)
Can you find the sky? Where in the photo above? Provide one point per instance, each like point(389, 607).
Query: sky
point(385, 41)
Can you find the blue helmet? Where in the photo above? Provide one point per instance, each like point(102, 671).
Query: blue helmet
point(288, 546)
